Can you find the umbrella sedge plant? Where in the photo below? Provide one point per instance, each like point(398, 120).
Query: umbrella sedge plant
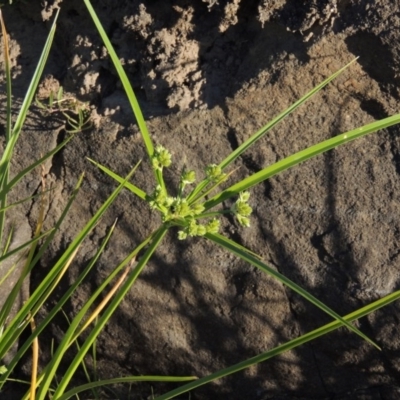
point(194, 211)
point(12, 325)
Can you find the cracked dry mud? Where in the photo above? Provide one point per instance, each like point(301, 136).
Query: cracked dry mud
point(208, 75)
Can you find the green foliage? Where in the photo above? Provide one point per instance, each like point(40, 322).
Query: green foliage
point(194, 211)
point(76, 113)
point(187, 211)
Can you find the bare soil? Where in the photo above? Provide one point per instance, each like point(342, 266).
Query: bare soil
point(209, 74)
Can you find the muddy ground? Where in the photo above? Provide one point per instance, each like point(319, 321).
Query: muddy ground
point(208, 74)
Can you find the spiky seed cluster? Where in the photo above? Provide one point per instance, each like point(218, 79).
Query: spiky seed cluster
point(242, 209)
point(177, 209)
point(161, 158)
point(187, 178)
point(196, 229)
point(214, 173)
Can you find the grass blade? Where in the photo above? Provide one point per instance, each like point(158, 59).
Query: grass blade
point(128, 90)
point(299, 157)
point(362, 312)
point(235, 249)
point(33, 304)
point(13, 134)
point(31, 167)
point(124, 80)
point(134, 189)
point(259, 134)
point(125, 379)
point(100, 324)
point(7, 68)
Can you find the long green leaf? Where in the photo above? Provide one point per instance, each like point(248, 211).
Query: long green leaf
point(282, 348)
point(235, 249)
point(14, 134)
point(31, 306)
point(260, 133)
point(124, 80)
point(28, 243)
point(7, 68)
point(134, 189)
point(49, 317)
point(99, 325)
point(128, 89)
point(35, 164)
point(299, 157)
point(4, 175)
point(125, 379)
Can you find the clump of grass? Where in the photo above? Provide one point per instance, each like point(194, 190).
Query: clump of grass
point(12, 326)
point(76, 113)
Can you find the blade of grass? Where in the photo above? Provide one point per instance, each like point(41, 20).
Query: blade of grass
point(235, 249)
point(260, 133)
point(4, 175)
point(32, 304)
point(125, 379)
point(23, 201)
point(27, 100)
point(128, 90)
point(22, 246)
point(7, 69)
point(299, 157)
point(362, 312)
point(88, 304)
point(35, 362)
point(134, 189)
point(25, 270)
point(124, 80)
point(49, 317)
point(97, 328)
point(14, 133)
point(31, 167)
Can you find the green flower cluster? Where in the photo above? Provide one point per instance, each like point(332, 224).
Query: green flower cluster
point(196, 229)
point(161, 158)
point(215, 174)
point(242, 210)
point(178, 211)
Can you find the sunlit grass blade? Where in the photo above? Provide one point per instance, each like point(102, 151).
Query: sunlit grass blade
point(26, 244)
point(124, 80)
point(134, 189)
point(308, 337)
point(17, 203)
point(35, 164)
point(260, 133)
point(125, 379)
point(84, 310)
point(7, 69)
point(98, 327)
point(235, 249)
point(27, 262)
point(33, 304)
point(58, 307)
point(5, 172)
point(49, 237)
point(35, 361)
point(15, 131)
point(299, 157)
